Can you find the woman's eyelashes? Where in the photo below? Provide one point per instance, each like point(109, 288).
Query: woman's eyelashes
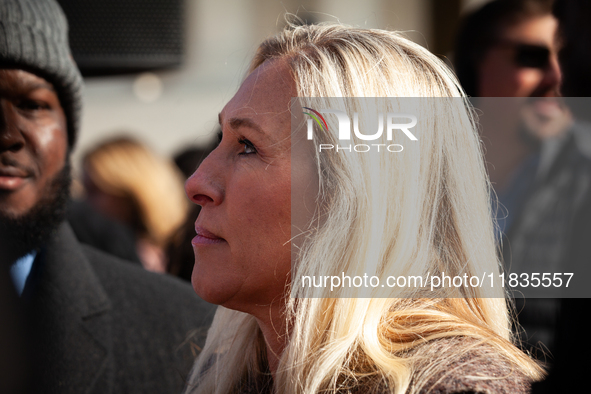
point(248, 147)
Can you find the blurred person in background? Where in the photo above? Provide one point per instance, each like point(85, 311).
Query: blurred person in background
point(569, 373)
point(92, 323)
point(126, 181)
point(187, 160)
point(509, 49)
point(506, 49)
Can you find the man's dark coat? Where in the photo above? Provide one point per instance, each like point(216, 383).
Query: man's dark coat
point(101, 325)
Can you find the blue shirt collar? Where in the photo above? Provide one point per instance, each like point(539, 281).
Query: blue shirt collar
point(20, 270)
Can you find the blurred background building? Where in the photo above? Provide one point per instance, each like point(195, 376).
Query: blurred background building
point(207, 46)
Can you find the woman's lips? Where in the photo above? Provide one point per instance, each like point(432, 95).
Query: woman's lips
point(204, 237)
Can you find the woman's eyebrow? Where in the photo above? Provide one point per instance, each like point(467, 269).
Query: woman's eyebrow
point(236, 123)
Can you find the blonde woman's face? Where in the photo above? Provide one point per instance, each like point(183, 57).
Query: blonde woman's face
point(242, 246)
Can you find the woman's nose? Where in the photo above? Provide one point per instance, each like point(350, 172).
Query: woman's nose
point(206, 185)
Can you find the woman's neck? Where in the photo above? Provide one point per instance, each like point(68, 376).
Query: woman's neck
point(273, 328)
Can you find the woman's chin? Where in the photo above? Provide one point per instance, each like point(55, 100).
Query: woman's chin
point(206, 291)
point(211, 290)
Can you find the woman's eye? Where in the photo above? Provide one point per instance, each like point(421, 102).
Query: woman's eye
point(248, 147)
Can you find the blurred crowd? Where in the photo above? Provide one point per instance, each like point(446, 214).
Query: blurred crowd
point(131, 202)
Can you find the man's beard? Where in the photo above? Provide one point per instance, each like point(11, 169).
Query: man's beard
point(30, 231)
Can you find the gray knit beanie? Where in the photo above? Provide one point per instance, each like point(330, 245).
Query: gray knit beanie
point(34, 38)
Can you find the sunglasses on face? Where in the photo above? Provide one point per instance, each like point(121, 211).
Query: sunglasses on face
point(528, 55)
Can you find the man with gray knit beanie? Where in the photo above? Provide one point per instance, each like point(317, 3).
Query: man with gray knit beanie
point(94, 324)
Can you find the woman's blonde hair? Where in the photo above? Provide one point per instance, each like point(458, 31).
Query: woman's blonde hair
point(124, 167)
point(429, 210)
